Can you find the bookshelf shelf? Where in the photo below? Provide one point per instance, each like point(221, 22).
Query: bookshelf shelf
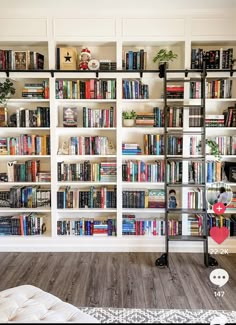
point(11, 157)
point(86, 210)
point(82, 101)
point(28, 100)
point(71, 157)
point(143, 210)
point(74, 183)
point(10, 184)
point(25, 210)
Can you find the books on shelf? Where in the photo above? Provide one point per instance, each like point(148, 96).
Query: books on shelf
point(135, 60)
point(214, 59)
point(87, 145)
point(93, 198)
point(87, 171)
point(25, 144)
point(23, 224)
point(135, 89)
point(23, 117)
point(87, 227)
point(36, 90)
point(131, 149)
point(86, 89)
point(99, 117)
point(221, 88)
point(140, 171)
point(21, 60)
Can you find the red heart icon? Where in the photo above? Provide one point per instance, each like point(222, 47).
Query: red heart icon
point(219, 234)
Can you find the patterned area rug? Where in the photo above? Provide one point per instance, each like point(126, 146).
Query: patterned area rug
point(130, 315)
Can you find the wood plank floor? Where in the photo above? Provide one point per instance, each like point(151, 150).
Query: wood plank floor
point(121, 279)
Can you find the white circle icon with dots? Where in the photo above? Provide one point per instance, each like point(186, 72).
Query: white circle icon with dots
point(219, 277)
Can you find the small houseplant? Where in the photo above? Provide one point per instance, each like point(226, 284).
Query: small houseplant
point(164, 56)
point(212, 148)
point(6, 90)
point(129, 118)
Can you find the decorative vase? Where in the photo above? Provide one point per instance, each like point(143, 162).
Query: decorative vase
point(128, 122)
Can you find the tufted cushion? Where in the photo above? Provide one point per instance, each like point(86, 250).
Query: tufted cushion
point(27, 303)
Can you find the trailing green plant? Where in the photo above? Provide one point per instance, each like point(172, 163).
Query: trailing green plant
point(214, 147)
point(164, 56)
point(6, 89)
point(129, 115)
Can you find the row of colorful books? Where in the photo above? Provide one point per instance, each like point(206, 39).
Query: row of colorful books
point(25, 144)
point(25, 197)
point(87, 171)
point(214, 59)
point(86, 227)
point(21, 60)
point(148, 198)
point(86, 89)
point(23, 224)
point(88, 145)
point(94, 197)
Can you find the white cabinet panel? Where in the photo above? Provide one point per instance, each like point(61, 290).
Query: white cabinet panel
point(213, 27)
point(84, 27)
point(153, 27)
point(23, 27)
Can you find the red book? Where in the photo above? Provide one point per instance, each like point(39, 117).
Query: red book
point(87, 89)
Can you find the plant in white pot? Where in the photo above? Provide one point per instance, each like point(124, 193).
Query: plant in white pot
point(164, 56)
point(6, 90)
point(129, 118)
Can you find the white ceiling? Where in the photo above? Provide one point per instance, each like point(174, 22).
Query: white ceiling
point(120, 5)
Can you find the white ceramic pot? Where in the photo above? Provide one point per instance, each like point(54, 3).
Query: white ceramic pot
point(128, 122)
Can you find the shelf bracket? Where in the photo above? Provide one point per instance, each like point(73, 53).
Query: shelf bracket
point(97, 74)
point(186, 73)
point(52, 73)
point(141, 74)
point(7, 73)
point(231, 71)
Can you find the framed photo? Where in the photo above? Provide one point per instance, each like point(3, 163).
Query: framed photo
point(232, 174)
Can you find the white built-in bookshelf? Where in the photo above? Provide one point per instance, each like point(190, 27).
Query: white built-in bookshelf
point(107, 43)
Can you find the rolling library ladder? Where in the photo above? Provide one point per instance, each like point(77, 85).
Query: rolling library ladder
point(177, 186)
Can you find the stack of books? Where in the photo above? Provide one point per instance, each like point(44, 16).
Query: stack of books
point(131, 149)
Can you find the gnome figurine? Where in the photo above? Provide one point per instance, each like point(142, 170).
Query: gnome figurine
point(85, 57)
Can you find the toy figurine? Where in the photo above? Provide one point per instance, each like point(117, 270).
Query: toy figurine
point(85, 57)
point(172, 199)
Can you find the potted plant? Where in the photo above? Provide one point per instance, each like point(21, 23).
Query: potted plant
point(164, 56)
point(212, 148)
point(6, 90)
point(129, 118)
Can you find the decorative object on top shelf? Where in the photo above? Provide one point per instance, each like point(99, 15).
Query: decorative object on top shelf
point(66, 58)
point(85, 57)
point(6, 90)
point(129, 118)
point(93, 64)
point(164, 56)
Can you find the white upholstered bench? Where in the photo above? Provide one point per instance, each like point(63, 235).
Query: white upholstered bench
point(27, 303)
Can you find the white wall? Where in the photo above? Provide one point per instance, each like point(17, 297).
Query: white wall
point(106, 7)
